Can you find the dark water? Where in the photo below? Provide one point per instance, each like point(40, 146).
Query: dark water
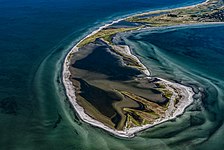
point(102, 61)
point(34, 112)
point(194, 56)
point(191, 47)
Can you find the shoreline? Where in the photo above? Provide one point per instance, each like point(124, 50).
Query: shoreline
point(127, 133)
point(124, 18)
point(169, 9)
point(70, 92)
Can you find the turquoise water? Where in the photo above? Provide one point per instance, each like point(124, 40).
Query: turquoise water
point(192, 55)
point(34, 111)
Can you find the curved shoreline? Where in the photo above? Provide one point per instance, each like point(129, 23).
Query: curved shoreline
point(70, 92)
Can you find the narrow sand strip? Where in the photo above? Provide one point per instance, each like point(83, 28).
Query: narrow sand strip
point(170, 114)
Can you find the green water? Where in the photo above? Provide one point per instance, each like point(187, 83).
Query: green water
point(35, 113)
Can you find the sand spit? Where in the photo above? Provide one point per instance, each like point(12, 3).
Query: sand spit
point(171, 113)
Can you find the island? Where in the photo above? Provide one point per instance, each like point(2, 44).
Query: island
point(110, 88)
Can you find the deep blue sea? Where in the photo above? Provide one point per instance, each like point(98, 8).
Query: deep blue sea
point(34, 111)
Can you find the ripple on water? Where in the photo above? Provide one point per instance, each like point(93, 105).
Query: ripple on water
point(194, 57)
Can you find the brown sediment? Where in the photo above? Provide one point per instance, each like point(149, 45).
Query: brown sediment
point(129, 101)
point(100, 88)
point(119, 104)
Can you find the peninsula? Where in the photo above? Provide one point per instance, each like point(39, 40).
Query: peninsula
point(111, 89)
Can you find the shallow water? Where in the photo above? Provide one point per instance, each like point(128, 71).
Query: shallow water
point(192, 55)
point(35, 113)
point(102, 61)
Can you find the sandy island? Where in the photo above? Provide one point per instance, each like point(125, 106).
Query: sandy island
point(173, 109)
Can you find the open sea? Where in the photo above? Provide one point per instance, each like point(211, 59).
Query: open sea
point(35, 36)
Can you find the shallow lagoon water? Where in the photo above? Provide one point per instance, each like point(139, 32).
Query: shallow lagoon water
point(192, 55)
point(35, 114)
